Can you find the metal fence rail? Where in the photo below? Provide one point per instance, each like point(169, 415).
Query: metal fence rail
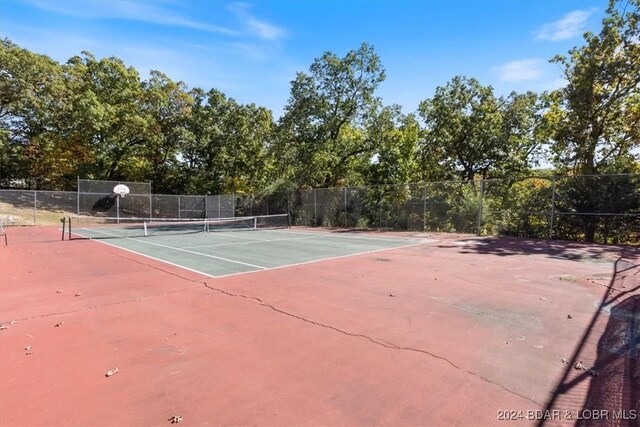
point(600, 208)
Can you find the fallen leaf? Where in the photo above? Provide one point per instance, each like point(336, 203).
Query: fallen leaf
point(111, 372)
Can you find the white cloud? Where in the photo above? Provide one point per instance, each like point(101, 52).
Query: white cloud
point(570, 26)
point(523, 69)
point(555, 84)
point(129, 10)
point(255, 26)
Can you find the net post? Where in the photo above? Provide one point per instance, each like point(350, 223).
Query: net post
point(63, 220)
point(69, 227)
point(219, 206)
point(144, 225)
point(553, 205)
point(118, 209)
point(255, 222)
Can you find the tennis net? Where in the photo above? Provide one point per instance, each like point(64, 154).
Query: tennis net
point(107, 227)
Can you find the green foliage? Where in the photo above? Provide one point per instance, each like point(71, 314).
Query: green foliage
point(596, 117)
point(97, 118)
point(396, 137)
point(518, 207)
point(32, 94)
point(320, 136)
point(469, 131)
point(228, 148)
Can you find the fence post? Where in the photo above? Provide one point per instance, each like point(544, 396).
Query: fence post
point(35, 206)
point(553, 205)
point(424, 208)
point(345, 207)
point(179, 208)
point(150, 202)
point(480, 202)
point(78, 197)
point(315, 209)
point(380, 212)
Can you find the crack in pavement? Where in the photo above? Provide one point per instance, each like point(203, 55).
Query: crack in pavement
point(373, 340)
point(280, 311)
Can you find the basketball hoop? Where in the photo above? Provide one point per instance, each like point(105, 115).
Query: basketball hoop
point(121, 190)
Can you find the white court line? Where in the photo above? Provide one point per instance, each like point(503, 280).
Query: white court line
point(425, 241)
point(146, 256)
point(330, 258)
point(305, 237)
point(346, 235)
point(311, 235)
point(240, 237)
point(248, 243)
point(183, 250)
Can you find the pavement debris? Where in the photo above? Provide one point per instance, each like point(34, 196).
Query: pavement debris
point(111, 372)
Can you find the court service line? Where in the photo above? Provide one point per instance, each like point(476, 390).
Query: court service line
point(304, 237)
point(330, 258)
point(248, 243)
point(348, 236)
point(187, 251)
point(240, 237)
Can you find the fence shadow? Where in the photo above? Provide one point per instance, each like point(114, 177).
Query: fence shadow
point(617, 386)
point(615, 378)
point(508, 246)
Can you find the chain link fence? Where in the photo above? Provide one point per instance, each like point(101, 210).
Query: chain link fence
point(594, 208)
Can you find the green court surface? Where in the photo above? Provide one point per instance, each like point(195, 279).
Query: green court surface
point(224, 253)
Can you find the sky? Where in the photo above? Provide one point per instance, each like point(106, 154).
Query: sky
point(252, 50)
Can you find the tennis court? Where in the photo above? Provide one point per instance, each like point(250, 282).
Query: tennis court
point(255, 323)
point(223, 247)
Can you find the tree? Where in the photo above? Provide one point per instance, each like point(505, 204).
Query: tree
point(166, 107)
point(228, 152)
point(396, 137)
point(596, 117)
point(321, 130)
point(470, 131)
point(32, 95)
point(105, 115)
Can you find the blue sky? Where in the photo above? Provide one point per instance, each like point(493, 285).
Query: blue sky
point(252, 50)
